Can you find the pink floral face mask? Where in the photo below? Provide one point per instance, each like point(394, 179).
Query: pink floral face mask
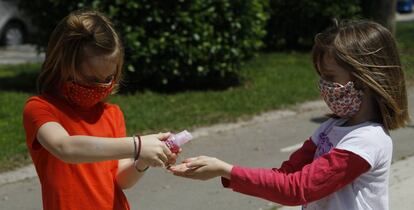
point(343, 100)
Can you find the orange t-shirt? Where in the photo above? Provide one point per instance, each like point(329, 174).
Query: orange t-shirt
point(68, 186)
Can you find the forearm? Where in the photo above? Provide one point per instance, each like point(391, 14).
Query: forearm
point(81, 149)
point(128, 175)
point(267, 184)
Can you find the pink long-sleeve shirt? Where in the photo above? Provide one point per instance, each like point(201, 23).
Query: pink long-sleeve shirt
point(301, 179)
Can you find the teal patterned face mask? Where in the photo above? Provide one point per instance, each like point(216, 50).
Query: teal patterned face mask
point(344, 100)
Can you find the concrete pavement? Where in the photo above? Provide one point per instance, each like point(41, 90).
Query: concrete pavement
point(404, 17)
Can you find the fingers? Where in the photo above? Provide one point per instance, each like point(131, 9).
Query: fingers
point(159, 163)
point(163, 136)
point(190, 165)
point(164, 154)
point(188, 160)
point(200, 168)
point(183, 171)
point(198, 173)
point(192, 173)
point(180, 168)
point(154, 152)
point(160, 159)
point(172, 159)
point(167, 151)
point(163, 158)
point(196, 163)
point(167, 155)
point(155, 163)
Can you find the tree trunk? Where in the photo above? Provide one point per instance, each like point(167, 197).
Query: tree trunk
point(381, 11)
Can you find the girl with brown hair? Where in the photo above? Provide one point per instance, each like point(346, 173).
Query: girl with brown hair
point(345, 164)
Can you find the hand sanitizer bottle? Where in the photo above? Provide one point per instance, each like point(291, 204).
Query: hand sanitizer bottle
point(175, 141)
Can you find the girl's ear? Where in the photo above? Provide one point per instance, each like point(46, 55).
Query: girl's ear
point(359, 85)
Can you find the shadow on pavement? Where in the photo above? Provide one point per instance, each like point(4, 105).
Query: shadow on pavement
point(319, 120)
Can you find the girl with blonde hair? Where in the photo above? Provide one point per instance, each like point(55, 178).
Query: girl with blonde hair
point(77, 141)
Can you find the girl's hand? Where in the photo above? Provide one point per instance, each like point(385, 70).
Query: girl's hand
point(154, 152)
point(173, 158)
point(202, 168)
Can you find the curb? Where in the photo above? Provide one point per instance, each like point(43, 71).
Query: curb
point(25, 172)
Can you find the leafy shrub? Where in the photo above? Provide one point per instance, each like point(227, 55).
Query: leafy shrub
point(294, 23)
point(179, 43)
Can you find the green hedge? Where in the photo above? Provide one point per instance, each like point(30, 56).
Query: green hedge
point(294, 23)
point(179, 43)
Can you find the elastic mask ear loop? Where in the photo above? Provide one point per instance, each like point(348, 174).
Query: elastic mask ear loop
point(108, 84)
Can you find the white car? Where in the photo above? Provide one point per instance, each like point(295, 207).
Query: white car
point(14, 26)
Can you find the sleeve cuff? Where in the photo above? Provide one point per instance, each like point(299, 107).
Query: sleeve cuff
point(229, 183)
point(225, 182)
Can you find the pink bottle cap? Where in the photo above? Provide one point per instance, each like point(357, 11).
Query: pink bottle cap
point(182, 137)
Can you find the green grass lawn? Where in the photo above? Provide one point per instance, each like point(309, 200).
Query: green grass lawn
point(271, 81)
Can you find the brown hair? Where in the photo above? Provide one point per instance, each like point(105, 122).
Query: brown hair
point(76, 33)
point(369, 52)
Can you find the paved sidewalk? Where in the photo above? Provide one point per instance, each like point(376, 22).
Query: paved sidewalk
point(404, 17)
point(20, 54)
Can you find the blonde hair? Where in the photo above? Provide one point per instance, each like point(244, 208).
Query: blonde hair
point(369, 52)
point(76, 33)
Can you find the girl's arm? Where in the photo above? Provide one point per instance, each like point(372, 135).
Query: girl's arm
point(81, 149)
point(296, 161)
point(127, 175)
point(325, 175)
